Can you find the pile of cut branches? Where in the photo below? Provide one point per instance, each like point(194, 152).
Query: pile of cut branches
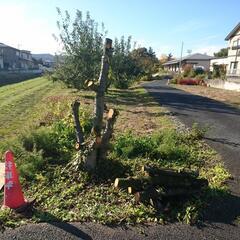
point(158, 186)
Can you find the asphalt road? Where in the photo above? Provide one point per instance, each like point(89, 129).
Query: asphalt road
point(89, 231)
point(219, 217)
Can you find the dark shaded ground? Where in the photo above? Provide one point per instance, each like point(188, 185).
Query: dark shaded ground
point(88, 231)
point(220, 216)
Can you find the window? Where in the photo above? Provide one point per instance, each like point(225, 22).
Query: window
point(233, 65)
point(235, 43)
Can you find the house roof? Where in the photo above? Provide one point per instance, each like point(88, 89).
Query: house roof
point(2, 45)
point(233, 32)
point(195, 56)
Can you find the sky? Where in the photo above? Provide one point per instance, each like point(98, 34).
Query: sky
point(161, 24)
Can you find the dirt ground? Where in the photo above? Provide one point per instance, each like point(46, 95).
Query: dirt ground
point(226, 96)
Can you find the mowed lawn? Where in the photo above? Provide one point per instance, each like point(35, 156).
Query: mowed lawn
point(20, 104)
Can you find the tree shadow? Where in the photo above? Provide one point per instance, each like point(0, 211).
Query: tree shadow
point(223, 141)
point(129, 97)
point(47, 217)
point(221, 208)
point(181, 100)
point(110, 169)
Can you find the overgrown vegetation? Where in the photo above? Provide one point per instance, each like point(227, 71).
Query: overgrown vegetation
point(42, 155)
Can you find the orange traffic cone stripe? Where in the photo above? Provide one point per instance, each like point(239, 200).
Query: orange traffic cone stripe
point(13, 195)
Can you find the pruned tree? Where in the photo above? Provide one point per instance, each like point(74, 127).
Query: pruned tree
point(91, 152)
point(85, 64)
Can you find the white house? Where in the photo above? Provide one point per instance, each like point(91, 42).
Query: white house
point(218, 61)
point(233, 67)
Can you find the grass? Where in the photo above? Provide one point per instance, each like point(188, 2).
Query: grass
point(144, 135)
point(20, 103)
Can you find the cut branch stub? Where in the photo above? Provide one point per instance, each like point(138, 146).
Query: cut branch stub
point(108, 132)
point(78, 127)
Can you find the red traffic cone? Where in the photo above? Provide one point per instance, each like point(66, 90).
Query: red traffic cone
point(13, 196)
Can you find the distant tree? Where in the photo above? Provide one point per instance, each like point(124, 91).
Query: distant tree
point(222, 53)
point(145, 59)
point(170, 57)
point(124, 69)
point(82, 44)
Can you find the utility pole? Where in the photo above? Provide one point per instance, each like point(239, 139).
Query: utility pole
point(180, 63)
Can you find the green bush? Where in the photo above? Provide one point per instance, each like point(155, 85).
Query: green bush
point(167, 146)
point(176, 79)
point(199, 71)
point(55, 142)
point(145, 78)
point(187, 70)
point(122, 83)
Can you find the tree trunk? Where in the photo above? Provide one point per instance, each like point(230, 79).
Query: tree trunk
point(95, 152)
point(99, 100)
point(107, 134)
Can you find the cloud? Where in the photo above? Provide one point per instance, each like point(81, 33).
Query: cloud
point(18, 29)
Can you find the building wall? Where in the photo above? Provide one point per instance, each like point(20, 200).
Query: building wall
point(1, 62)
point(10, 58)
point(234, 54)
point(218, 61)
point(203, 63)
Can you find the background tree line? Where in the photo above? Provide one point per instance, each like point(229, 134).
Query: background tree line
point(82, 39)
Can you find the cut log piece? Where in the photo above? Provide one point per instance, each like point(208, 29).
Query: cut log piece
point(137, 184)
point(142, 197)
point(150, 171)
point(130, 190)
point(163, 180)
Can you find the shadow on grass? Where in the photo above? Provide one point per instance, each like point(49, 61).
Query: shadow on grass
point(129, 97)
point(110, 169)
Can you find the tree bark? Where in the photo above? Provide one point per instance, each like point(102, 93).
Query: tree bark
point(107, 134)
point(99, 101)
point(98, 150)
point(78, 127)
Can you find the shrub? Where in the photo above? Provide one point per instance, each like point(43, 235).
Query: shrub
point(188, 81)
point(145, 78)
point(176, 79)
point(167, 147)
point(199, 71)
point(187, 69)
